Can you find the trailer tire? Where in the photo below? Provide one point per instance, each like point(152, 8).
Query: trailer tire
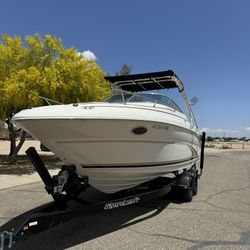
point(185, 185)
point(195, 186)
point(187, 194)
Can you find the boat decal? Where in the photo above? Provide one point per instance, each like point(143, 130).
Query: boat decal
point(123, 203)
point(187, 160)
point(159, 126)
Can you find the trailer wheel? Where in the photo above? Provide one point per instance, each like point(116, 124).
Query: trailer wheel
point(187, 193)
point(185, 185)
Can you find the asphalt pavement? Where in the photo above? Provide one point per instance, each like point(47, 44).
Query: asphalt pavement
point(217, 218)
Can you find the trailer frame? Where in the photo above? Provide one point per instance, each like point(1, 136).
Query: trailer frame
point(58, 212)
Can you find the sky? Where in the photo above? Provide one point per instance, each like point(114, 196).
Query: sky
point(206, 43)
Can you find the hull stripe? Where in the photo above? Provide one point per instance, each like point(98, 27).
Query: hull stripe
point(143, 165)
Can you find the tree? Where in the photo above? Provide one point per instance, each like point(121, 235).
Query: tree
point(243, 138)
point(209, 138)
point(125, 70)
point(43, 67)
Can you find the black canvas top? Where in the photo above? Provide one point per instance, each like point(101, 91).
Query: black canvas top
point(147, 81)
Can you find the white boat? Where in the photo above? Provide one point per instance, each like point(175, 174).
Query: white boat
point(131, 138)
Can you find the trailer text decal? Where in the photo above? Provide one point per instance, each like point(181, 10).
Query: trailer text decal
point(123, 203)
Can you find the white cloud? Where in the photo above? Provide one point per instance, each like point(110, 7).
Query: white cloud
point(88, 55)
point(247, 128)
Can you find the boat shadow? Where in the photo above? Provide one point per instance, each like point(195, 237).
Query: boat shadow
point(88, 227)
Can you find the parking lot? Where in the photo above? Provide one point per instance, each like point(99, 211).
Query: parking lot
point(217, 218)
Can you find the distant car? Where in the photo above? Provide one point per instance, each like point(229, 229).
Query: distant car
point(43, 148)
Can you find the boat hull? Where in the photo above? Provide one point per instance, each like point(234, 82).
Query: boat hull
point(110, 153)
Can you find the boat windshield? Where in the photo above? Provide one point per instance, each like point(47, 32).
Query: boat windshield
point(143, 97)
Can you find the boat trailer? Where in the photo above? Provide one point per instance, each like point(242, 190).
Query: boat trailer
point(64, 191)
